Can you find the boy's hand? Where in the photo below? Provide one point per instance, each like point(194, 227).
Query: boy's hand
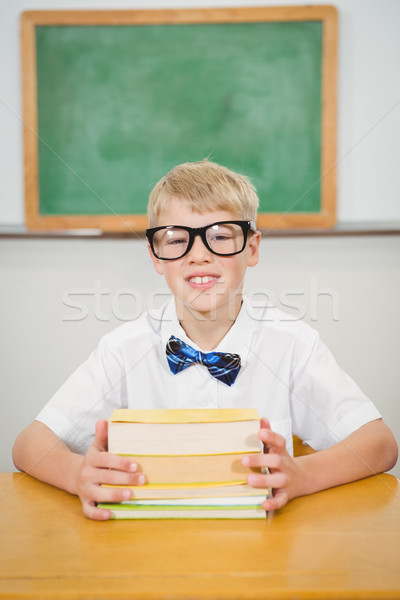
point(99, 466)
point(285, 474)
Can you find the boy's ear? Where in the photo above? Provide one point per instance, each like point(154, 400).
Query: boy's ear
point(253, 249)
point(158, 264)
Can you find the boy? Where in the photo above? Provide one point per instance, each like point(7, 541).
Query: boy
point(208, 348)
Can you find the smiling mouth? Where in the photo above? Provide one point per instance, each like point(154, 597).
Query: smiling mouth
point(202, 280)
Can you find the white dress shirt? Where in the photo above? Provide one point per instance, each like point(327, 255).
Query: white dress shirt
point(287, 373)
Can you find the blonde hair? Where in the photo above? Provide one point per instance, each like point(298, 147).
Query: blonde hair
point(204, 186)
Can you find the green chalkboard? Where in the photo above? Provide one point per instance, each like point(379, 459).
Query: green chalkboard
point(119, 105)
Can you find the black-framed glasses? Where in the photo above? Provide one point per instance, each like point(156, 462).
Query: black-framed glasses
point(224, 238)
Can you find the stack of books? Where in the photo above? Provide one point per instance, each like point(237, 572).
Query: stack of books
point(192, 460)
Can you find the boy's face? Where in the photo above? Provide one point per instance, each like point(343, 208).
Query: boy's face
point(218, 293)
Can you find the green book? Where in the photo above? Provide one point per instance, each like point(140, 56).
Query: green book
point(121, 511)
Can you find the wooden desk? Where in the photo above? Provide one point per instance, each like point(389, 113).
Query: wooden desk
point(341, 543)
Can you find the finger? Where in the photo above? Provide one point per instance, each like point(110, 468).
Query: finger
point(112, 494)
point(95, 492)
point(112, 477)
point(273, 480)
point(276, 501)
point(91, 511)
point(272, 440)
point(101, 439)
point(93, 475)
point(105, 460)
point(270, 460)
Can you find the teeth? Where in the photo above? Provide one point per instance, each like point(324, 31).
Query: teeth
point(205, 279)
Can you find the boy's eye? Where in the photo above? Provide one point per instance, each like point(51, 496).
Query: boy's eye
point(221, 237)
point(173, 237)
point(176, 241)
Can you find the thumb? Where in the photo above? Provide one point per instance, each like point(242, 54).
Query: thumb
point(101, 439)
point(264, 423)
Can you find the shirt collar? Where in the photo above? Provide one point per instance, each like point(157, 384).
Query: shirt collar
point(236, 341)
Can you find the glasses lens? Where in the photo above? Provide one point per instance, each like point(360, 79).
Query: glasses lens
point(225, 238)
point(170, 242)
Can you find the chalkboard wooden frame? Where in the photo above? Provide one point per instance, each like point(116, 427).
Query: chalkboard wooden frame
point(30, 20)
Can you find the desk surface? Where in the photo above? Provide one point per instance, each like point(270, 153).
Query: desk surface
point(340, 543)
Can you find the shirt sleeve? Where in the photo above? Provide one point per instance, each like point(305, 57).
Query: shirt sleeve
point(326, 404)
point(89, 394)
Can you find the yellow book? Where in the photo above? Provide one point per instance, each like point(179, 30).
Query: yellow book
point(169, 491)
point(187, 415)
point(119, 511)
point(184, 432)
point(193, 469)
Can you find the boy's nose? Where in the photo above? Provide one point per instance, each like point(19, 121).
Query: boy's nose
point(199, 252)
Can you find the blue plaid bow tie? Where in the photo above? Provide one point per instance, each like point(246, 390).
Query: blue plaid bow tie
point(224, 367)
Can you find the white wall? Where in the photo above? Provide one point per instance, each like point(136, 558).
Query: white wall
point(39, 347)
point(359, 319)
point(368, 101)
